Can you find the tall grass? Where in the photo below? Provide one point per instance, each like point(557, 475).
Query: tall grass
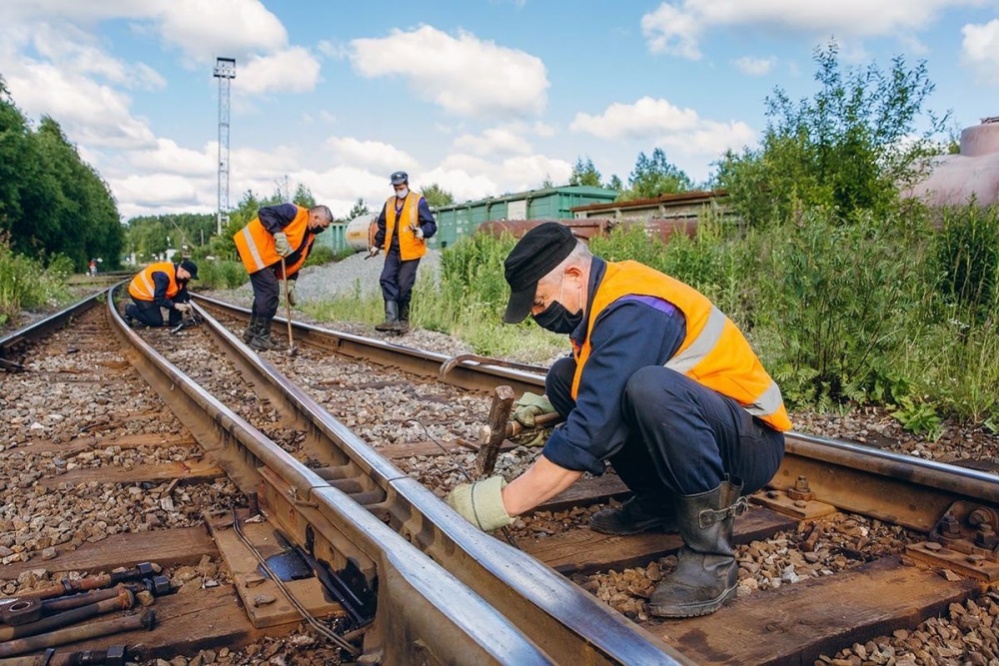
point(221, 274)
point(26, 285)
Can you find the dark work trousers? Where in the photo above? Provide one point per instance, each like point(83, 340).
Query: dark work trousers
point(149, 313)
point(265, 293)
point(398, 277)
point(684, 438)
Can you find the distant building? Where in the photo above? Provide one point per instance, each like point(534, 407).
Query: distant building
point(683, 206)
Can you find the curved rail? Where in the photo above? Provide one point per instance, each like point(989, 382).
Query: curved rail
point(569, 624)
point(417, 598)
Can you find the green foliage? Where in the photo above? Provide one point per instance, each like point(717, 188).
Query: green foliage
point(323, 254)
point(919, 418)
point(848, 148)
point(50, 200)
point(654, 176)
point(437, 196)
point(221, 274)
point(148, 235)
point(25, 285)
point(615, 183)
point(965, 255)
point(360, 208)
point(585, 173)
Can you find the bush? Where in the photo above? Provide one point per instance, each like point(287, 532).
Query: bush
point(965, 254)
point(221, 274)
point(24, 285)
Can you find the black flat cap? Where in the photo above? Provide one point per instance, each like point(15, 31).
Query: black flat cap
point(190, 267)
point(535, 255)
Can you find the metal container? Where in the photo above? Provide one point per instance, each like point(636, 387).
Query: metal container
point(359, 233)
point(954, 180)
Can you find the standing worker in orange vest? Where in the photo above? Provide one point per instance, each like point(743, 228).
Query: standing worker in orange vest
point(283, 231)
point(160, 285)
point(662, 385)
point(403, 228)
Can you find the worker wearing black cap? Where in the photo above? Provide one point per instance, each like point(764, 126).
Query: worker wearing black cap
point(663, 386)
point(160, 285)
point(403, 227)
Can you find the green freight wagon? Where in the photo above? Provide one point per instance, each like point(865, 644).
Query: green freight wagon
point(457, 220)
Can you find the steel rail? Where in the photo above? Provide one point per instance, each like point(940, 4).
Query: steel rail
point(909, 491)
point(48, 324)
point(417, 598)
point(570, 625)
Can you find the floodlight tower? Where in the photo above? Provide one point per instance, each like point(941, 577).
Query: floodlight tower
point(225, 70)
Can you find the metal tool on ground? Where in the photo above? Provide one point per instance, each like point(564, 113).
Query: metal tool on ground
point(118, 625)
point(189, 318)
point(123, 601)
point(69, 586)
point(288, 309)
point(454, 361)
point(115, 655)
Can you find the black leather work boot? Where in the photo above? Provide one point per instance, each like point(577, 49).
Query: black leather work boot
point(706, 573)
point(261, 340)
point(251, 327)
point(391, 318)
point(403, 325)
point(635, 516)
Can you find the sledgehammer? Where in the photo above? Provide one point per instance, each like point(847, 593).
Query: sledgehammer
point(501, 427)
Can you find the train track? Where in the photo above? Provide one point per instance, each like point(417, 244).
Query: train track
point(415, 583)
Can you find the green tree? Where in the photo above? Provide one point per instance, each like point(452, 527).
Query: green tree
point(437, 196)
point(304, 197)
point(360, 208)
point(654, 176)
point(547, 183)
point(850, 147)
point(585, 173)
point(615, 183)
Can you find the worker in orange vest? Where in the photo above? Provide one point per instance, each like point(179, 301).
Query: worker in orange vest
point(160, 285)
point(283, 231)
point(403, 227)
point(661, 384)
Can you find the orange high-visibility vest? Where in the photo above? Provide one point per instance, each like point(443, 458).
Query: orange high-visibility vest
point(714, 352)
point(142, 287)
point(256, 245)
point(410, 247)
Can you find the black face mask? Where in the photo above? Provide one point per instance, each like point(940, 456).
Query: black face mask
point(557, 318)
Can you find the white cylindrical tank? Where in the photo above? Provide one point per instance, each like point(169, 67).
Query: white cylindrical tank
point(975, 172)
point(360, 232)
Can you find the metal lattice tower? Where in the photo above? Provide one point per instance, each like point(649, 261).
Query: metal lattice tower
point(225, 70)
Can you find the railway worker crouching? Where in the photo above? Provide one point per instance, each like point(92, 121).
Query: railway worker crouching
point(663, 386)
point(285, 231)
point(403, 227)
point(160, 285)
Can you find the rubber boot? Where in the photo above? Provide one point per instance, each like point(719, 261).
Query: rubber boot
point(251, 327)
point(132, 315)
point(403, 325)
point(636, 515)
point(391, 318)
point(706, 573)
point(261, 340)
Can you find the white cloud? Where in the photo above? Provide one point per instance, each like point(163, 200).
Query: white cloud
point(230, 28)
point(472, 177)
point(980, 49)
point(167, 157)
point(676, 27)
point(463, 74)
point(755, 66)
point(291, 70)
point(376, 155)
point(664, 124)
point(494, 141)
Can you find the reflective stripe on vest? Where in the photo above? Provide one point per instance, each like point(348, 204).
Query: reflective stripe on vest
point(410, 247)
point(142, 286)
point(252, 249)
point(255, 244)
point(714, 352)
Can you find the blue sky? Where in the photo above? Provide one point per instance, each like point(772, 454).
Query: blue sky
point(482, 97)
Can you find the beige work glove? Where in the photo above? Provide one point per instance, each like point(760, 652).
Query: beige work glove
point(373, 251)
point(481, 503)
point(529, 406)
point(417, 231)
point(290, 293)
point(182, 307)
point(281, 245)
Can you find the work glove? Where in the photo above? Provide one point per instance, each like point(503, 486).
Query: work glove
point(281, 244)
point(182, 307)
point(529, 406)
point(290, 293)
point(481, 503)
point(417, 231)
point(373, 251)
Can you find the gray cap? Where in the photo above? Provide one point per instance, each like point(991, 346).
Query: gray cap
point(399, 178)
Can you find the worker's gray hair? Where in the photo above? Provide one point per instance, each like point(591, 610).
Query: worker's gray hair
point(580, 254)
point(325, 210)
